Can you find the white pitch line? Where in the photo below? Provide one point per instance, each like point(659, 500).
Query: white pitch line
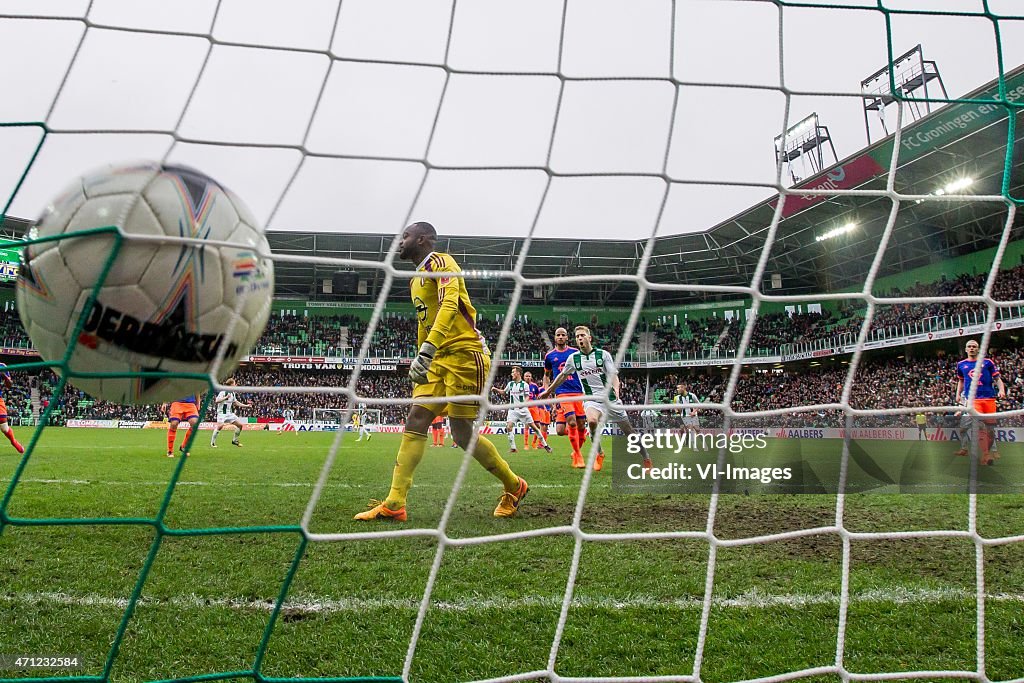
point(276, 484)
point(311, 605)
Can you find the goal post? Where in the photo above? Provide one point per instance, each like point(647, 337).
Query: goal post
point(372, 416)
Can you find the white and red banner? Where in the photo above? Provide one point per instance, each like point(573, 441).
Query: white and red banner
point(95, 424)
point(330, 362)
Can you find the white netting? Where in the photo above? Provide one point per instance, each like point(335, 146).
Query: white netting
point(452, 145)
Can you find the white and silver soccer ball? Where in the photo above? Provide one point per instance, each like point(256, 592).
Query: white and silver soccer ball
point(164, 307)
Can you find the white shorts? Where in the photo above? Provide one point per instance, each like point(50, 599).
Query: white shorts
point(368, 428)
point(519, 415)
point(227, 418)
point(691, 421)
point(613, 412)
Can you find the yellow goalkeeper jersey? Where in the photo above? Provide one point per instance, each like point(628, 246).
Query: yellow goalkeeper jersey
point(446, 316)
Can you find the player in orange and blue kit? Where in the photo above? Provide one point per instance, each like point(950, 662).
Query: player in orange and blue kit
point(183, 409)
point(570, 407)
point(990, 387)
point(540, 414)
point(4, 426)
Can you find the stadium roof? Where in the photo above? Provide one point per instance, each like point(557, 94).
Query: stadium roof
point(964, 139)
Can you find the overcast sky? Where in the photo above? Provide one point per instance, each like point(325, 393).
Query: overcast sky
point(138, 84)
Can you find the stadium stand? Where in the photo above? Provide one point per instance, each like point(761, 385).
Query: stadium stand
point(342, 334)
point(923, 381)
point(880, 383)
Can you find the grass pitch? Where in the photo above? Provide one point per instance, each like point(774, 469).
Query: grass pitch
point(352, 605)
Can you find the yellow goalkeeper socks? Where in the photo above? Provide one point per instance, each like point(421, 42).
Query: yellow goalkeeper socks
point(487, 455)
point(409, 455)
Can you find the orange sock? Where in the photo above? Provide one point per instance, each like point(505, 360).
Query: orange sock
point(171, 434)
point(574, 439)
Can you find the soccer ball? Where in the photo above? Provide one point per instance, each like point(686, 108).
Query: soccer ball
point(165, 306)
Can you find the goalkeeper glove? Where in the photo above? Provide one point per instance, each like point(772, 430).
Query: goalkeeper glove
point(421, 363)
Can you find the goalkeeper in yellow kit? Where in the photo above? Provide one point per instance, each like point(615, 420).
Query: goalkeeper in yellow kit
point(453, 360)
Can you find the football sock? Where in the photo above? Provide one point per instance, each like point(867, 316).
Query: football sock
point(574, 439)
point(238, 434)
point(171, 434)
point(409, 455)
point(10, 434)
point(487, 455)
point(511, 439)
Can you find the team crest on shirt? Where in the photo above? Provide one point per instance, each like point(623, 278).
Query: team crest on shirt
point(444, 281)
point(421, 309)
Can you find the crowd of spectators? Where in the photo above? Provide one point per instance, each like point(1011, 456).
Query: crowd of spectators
point(525, 338)
point(879, 383)
point(773, 331)
point(394, 336)
point(395, 333)
point(694, 338)
point(321, 335)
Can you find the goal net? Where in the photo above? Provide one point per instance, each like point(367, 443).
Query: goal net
point(625, 130)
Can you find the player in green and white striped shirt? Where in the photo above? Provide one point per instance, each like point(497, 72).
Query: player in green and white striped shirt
point(599, 377)
point(518, 392)
point(691, 422)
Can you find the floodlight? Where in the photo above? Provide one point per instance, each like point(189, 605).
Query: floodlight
point(836, 232)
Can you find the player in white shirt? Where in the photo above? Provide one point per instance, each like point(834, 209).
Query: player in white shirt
point(226, 402)
point(289, 424)
point(691, 422)
point(518, 393)
point(364, 423)
point(596, 371)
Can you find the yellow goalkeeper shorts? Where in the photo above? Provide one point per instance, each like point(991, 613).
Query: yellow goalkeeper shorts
point(455, 373)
